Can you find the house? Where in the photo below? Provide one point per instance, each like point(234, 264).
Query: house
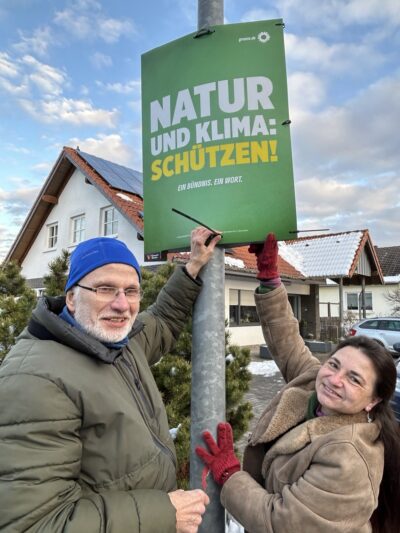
point(86, 196)
point(376, 301)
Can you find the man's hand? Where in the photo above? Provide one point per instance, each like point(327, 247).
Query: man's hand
point(190, 505)
point(200, 254)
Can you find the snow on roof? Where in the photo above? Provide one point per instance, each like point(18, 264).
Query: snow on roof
point(330, 282)
point(291, 256)
point(124, 196)
point(392, 279)
point(325, 256)
point(238, 263)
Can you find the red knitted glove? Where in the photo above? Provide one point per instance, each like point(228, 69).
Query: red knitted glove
point(267, 257)
point(222, 460)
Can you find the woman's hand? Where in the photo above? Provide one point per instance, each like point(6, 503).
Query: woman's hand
point(267, 258)
point(221, 460)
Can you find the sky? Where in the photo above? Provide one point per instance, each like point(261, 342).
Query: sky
point(70, 76)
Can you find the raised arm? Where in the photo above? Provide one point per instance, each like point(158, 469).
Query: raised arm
point(279, 325)
point(165, 319)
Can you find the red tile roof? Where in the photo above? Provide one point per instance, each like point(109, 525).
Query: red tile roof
point(130, 205)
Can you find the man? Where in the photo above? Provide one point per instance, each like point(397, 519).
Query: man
point(84, 438)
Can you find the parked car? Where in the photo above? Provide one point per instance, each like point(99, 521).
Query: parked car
point(396, 396)
point(385, 330)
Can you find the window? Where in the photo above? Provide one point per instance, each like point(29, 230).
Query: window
point(242, 309)
point(394, 325)
point(110, 221)
point(354, 301)
point(78, 229)
point(390, 325)
point(52, 235)
point(370, 324)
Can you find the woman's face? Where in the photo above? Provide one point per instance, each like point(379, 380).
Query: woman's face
point(346, 383)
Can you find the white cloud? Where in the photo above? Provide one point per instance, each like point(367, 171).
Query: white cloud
point(312, 52)
point(259, 14)
point(38, 43)
point(28, 76)
point(111, 30)
point(85, 20)
point(121, 88)
point(358, 139)
point(7, 67)
point(111, 147)
point(329, 203)
point(84, 90)
point(48, 80)
point(78, 26)
point(13, 88)
point(332, 16)
point(7, 236)
point(42, 168)
point(17, 149)
point(306, 91)
point(100, 60)
point(22, 196)
point(77, 112)
point(14, 207)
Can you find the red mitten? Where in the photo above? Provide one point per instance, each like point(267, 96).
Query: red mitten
point(267, 258)
point(221, 460)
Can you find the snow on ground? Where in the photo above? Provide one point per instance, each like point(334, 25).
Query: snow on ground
point(263, 368)
point(232, 526)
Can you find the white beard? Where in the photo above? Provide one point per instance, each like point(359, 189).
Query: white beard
point(94, 328)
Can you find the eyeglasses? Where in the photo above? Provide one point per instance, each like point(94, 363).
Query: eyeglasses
point(107, 294)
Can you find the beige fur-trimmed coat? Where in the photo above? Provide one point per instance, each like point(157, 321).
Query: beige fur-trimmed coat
point(315, 476)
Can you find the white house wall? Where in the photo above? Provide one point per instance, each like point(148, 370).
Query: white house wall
point(242, 335)
point(380, 306)
point(78, 197)
point(252, 335)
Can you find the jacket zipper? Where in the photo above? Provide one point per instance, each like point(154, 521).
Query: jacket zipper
point(146, 403)
point(138, 385)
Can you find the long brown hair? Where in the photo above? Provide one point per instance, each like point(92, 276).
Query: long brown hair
point(386, 517)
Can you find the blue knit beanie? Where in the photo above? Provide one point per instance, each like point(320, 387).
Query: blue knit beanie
point(97, 252)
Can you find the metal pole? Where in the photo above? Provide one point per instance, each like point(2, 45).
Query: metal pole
point(210, 13)
point(341, 324)
point(208, 380)
point(363, 304)
point(208, 351)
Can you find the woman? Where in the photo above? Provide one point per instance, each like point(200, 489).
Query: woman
point(325, 454)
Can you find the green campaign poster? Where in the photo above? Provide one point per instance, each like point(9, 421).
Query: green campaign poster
point(216, 137)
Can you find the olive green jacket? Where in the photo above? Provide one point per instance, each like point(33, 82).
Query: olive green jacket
point(316, 476)
point(84, 437)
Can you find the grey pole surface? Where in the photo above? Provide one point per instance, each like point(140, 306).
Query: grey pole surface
point(208, 351)
point(209, 13)
point(208, 380)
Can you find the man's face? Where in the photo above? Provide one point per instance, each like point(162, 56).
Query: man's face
point(106, 321)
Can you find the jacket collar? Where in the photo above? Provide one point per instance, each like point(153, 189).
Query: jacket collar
point(305, 433)
point(286, 410)
point(289, 409)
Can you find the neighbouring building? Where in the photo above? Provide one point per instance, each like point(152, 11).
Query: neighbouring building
point(86, 196)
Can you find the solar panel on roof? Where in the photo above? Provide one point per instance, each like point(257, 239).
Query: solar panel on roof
point(118, 176)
